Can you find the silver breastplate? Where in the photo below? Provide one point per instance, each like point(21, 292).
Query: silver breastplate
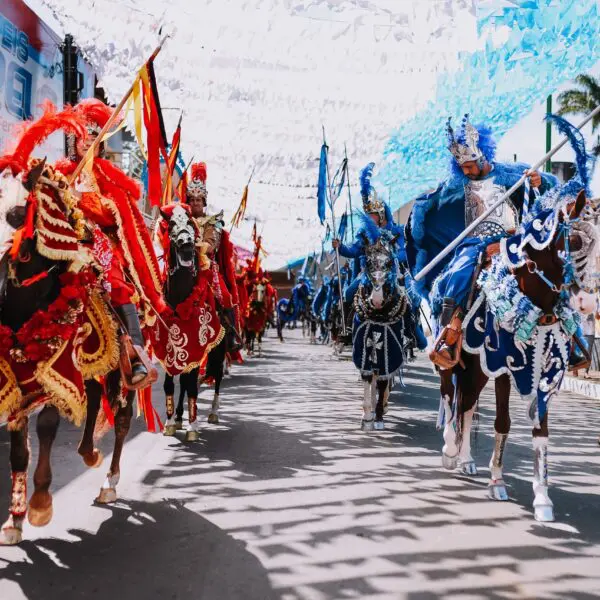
point(481, 195)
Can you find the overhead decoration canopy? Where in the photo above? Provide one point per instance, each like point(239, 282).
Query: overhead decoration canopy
point(257, 80)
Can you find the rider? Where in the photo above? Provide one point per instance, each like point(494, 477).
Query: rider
point(219, 250)
point(378, 217)
point(108, 199)
point(476, 182)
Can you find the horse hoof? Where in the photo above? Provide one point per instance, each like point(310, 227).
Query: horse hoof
point(107, 496)
point(449, 462)
point(367, 425)
point(11, 533)
point(497, 491)
point(544, 514)
point(39, 516)
point(468, 468)
point(379, 426)
point(192, 436)
point(93, 459)
point(213, 419)
point(170, 430)
point(178, 424)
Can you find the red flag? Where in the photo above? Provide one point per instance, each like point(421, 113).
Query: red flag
point(168, 192)
point(155, 132)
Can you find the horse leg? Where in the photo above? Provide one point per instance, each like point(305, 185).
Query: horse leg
point(497, 487)
point(11, 532)
point(40, 504)
point(542, 505)
point(108, 491)
point(213, 415)
point(447, 419)
point(260, 344)
point(382, 387)
point(92, 457)
point(367, 420)
point(471, 388)
point(169, 389)
point(190, 380)
point(180, 401)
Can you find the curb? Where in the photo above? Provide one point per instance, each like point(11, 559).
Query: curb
point(585, 387)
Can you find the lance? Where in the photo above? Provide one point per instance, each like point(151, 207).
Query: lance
point(450, 247)
point(349, 193)
point(92, 149)
point(337, 250)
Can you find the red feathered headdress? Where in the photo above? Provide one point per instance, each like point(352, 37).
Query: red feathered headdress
point(197, 184)
point(95, 112)
point(33, 133)
point(198, 172)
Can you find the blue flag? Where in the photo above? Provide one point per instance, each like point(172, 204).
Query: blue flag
point(322, 185)
point(342, 227)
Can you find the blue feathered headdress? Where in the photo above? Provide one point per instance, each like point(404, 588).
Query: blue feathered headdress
point(487, 145)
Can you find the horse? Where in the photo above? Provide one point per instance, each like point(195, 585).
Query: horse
point(34, 281)
point(182, 266)
point(378, 329)
point(256, 316)
point(518, 332)
point(296, 308)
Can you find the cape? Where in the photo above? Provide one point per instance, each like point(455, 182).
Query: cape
point(438, 217)
point(120, 195)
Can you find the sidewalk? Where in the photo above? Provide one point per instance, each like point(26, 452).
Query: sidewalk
point(589, 386)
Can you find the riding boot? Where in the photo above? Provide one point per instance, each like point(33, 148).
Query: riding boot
point(233, 340)
point(446, 351)
point(131, 321)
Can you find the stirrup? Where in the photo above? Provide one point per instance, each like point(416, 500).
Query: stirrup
point(127, 348)
point(450, 341)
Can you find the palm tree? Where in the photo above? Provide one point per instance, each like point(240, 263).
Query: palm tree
point(583, 100)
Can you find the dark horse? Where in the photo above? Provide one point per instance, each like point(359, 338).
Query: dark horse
point(182, 270)
point(519, 331)
point(378, 330)
point(256, 317)
point(31, 282)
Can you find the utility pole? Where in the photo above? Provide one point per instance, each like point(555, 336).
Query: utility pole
point(71, 83)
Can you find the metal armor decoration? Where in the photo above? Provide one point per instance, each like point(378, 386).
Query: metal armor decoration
point(481, 195)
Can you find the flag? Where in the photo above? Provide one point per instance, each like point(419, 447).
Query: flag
point(342, 227)
point(241, 211)
point(337, 184)
point(182, 186)
point(147, 112)
point(171, 163)
point(327, 232)
point(254, 233)
point(322, 184)
point(304, 267)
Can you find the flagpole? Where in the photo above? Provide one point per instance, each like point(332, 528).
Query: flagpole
point(450, 247)
point(349, 193)
point(92, 149)
point(337, 250)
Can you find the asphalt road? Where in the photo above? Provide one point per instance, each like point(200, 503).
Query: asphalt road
point(288, 499)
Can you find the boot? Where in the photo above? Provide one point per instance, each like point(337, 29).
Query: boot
point(129, 316)
point(447, 348)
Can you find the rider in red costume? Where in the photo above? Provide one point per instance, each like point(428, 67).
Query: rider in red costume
point(108, 199)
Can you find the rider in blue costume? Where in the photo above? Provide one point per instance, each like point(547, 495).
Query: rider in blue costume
point(439, 216)
point(377, 215)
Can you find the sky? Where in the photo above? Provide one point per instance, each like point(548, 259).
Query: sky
point(287, 213)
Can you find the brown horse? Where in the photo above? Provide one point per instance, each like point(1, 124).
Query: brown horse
point(32, 285)
point(542, 277)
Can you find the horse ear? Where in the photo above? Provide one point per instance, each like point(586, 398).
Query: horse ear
point(577, 207)
point(395, 238)
point(164, 215)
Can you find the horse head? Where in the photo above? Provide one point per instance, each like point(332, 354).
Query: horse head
point(381, 270)
point(259, 293)
point(182, 236)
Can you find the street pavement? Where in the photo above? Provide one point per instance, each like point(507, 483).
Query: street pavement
point(288, 499)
